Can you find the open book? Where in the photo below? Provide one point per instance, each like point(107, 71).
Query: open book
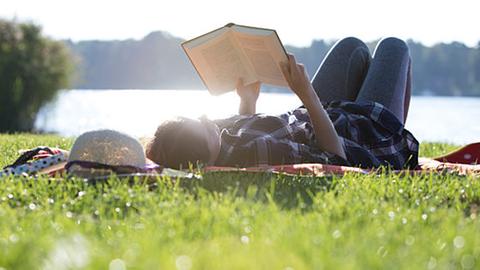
point(226, 54)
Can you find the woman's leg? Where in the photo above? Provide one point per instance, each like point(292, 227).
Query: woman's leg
point(388, 78)
point(342, 71)
point(408, 93)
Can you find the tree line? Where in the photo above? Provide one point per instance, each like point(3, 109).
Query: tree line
point(158, 62)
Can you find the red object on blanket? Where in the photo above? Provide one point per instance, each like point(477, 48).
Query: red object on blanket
point(469, 154)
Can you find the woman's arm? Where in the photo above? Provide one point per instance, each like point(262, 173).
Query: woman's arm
point(248, 97)
point(325, 134)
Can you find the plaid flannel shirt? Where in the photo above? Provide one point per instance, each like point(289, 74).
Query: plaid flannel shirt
point(369, 133)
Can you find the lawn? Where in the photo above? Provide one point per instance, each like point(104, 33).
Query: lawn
point(238, 220)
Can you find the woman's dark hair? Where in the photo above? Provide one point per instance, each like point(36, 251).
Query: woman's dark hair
point(176, 145)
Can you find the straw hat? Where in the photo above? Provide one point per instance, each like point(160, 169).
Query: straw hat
point(108, 147)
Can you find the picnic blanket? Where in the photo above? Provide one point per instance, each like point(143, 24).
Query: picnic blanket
point(52, 161)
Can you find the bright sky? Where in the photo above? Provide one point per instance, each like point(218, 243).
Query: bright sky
point(296, 21)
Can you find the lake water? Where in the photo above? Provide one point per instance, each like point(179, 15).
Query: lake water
point(138, 112)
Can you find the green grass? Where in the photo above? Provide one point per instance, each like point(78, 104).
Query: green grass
point(239, 220)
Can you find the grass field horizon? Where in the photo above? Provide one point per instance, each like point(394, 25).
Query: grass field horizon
point(238, 220)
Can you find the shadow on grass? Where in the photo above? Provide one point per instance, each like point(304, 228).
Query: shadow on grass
point(287, 191)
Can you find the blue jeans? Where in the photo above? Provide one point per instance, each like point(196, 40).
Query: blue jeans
point(349, 72)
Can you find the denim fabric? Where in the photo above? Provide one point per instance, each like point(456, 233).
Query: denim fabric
point(350, 73)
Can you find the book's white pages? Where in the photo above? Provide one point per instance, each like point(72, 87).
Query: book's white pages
point(226, 54)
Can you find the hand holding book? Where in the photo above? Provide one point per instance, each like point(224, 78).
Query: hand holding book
point(248, 97)
point(297, 78)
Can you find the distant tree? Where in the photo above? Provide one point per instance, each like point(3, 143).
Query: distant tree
point(32, 69)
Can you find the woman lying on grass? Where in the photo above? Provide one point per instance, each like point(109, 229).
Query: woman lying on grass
point(353, 113)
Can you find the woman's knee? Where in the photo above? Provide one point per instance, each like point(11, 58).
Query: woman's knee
point(392, 43)
point(351, 43)
point(350, 49)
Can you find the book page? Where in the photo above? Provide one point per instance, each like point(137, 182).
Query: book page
point(265, 54)
point(220, 64)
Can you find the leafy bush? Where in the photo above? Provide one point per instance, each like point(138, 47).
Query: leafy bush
point(32, 69)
